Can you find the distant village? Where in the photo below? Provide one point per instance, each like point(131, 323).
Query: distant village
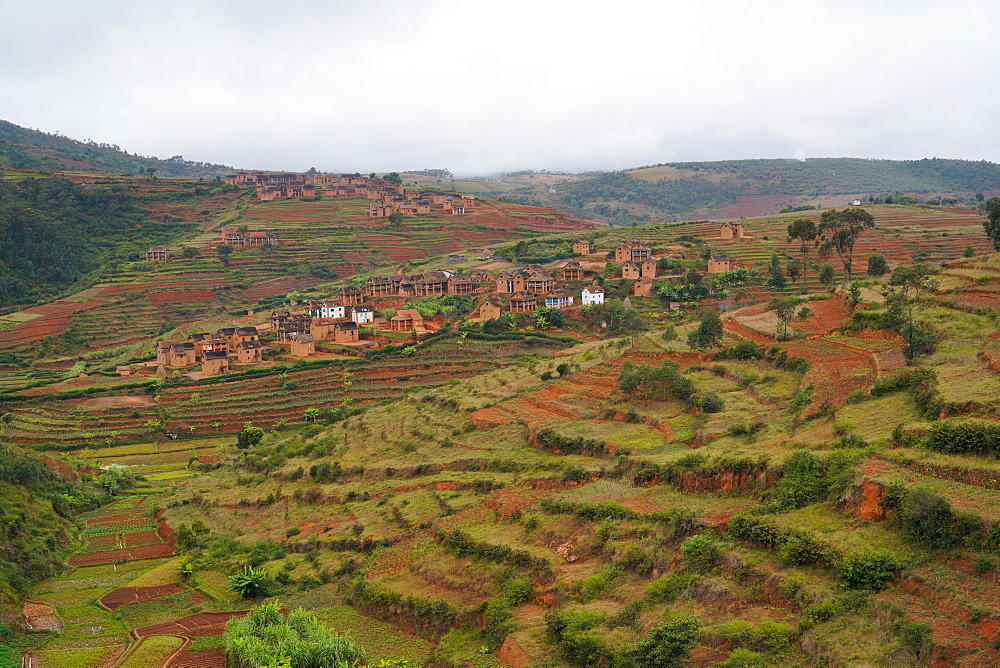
point(349, 317)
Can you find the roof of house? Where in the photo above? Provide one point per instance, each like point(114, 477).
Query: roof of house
point(720, 258)
point(594, 290)
point(558, 294)
point(408, 314)
point(630, 263)
point(201, 336)
point(362, 308)
point(157, 248)
point(246, 331)
point(303, 338)
point(350, 290)
point(523, 297)
point(247, 345)
point(225, 331)
point(182, 347)
point(215, 355)
point(346, 325)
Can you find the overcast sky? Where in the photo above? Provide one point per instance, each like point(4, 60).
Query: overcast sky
point(480, 87)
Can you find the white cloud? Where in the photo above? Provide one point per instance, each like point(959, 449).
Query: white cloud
point(479, 87)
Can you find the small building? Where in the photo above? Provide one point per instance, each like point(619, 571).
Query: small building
point(558, 299)
point(362, 314)
point(523, 302)
point(490, 309)
point(643, 287)
point(380, 286)
point(718, 264)
point(157, 254)
point(323, 328)
point(631, 250)
point(582, 247)
point(732, 230)
point(405, 320)
point(592, 295)
point(540, 283)
point(214, 362)
point(327, 308)
point(571, 271)
point(511, 281)
point(301, 345)
point(248, 352)
point(631, 271)
point(345, 332)
point(351, 295)
point(181, 354)
point(460, 285)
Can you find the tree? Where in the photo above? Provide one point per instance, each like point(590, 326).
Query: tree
point(795, 269)
point(709, 331)
point(805, 231)
point(842, 229)
point(907, 288)
point(189, 252)
point(311, 414)
point(249, 436)
point(776, 279)
point(669, 643)
point(992, 222)
point(396, 219)
point(392, 177)
point(826, 274)
point(784, 308)
point(224, 251)
point(877, 265)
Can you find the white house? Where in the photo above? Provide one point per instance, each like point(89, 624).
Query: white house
point(326, 309)
point(592, 294)
point(362, 314)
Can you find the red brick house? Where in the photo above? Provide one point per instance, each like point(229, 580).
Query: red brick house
point(490, 309)
point(248, 352)
point(460, 285)
point(406, 320)
point(523, 302)
point(582, 247)
point(633, 251)
point(718, 264)
point(571, 271)
point(214, 362)
point(302, 345)
point(345, 332)
point(351, 295)
point(631, 271)
point(512, 281)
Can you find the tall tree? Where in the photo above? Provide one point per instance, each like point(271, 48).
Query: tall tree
point(842, 229)
point(805, 231)
point(709, 331)
point(992, 222)
point(907, 288)
point(776, 279)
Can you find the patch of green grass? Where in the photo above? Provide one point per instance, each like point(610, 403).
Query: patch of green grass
point(79, 657)
point(152, 651)
point(380, 639)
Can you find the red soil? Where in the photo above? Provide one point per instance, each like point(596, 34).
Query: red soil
point(206, 658)
point(119, 597)
point(201, 624)
point(168, 297)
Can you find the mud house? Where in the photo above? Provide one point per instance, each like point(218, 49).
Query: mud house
point(643, 287)
point(406, 320)
point(718, 264)
point(205, 342)
point(157, 254)
point(460, 285)
point(633, 251)
point(523, 302)
point(540, 283)
point(301, 345)
point(592, 295)
point(351, 295)
point(582, 247)
point(214, 362)
point(248, 352)
point(648, 269)
point(243, 335)
point(380, 286)
point(323, 328)
point(430, 284)
point(631, 271)
point(174, 354)
point(490, 309)
point(345, 332)
point(732, 230)
point(571, 271)
point(512, 281)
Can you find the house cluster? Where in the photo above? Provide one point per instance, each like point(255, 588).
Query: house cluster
point(428, 284)
point(234, 237)
point(638, 265)
point(215, 352)
point(387, 197)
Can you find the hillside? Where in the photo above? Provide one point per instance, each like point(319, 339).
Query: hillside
point(737, 188)
point(24, 148)
point(537, 491)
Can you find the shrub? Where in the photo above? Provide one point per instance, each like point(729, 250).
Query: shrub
point(667, 644)
point(700, 551)
point(984, 564)
point(669, 587)
point(868, 569)
point(711, 403)
point(928, 518)
point(915, 637)
point(248, 582)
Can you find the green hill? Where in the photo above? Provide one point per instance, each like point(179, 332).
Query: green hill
point(24, 148)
